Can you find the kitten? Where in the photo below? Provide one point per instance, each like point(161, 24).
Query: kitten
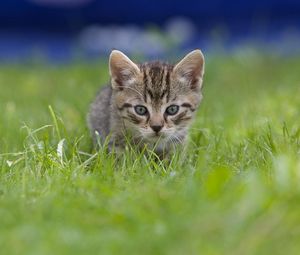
point(151, 104)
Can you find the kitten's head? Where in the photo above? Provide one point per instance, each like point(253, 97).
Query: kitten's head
point(157, 100)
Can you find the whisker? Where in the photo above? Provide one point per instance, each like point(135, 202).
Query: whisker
point(178, 139)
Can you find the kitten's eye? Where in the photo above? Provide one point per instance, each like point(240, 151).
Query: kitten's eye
point(172, 109)
point(140, 110)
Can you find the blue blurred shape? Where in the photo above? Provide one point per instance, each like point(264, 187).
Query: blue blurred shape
point(74, 14)
point(55, 29)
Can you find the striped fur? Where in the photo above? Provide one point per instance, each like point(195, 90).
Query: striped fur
point(154, 86)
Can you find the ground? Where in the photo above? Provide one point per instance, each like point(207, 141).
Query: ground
point(235, 192)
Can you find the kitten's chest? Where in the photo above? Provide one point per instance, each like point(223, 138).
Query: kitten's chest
point(159, 146)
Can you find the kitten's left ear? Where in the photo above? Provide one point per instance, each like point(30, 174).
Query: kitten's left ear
point(122, 70)
point(191, 69)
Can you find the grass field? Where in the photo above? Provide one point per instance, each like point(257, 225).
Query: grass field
point(237, 191)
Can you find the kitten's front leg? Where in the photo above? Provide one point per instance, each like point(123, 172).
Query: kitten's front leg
point(173, 149)
point(116, 145)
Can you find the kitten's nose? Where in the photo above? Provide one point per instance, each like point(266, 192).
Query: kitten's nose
point(156, 128)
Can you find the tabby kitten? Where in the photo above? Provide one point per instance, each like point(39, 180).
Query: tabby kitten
point(151, 104)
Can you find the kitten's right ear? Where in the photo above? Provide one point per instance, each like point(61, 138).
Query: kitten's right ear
point(190, 69)
point(122, 70)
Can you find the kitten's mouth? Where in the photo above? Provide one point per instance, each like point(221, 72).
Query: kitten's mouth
point(156, 137)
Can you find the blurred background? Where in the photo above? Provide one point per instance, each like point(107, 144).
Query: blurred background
point(63, 30)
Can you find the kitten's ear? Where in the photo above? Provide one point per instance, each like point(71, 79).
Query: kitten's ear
point(122, 70)
point(190, 69)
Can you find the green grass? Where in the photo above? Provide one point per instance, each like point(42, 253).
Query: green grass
point(237, 191)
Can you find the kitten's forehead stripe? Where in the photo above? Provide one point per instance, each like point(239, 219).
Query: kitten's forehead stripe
point(145, 83)
point(162, 79)
point(150, 93)
point(163, 94)
point(155, 75)
point(168, 85)
point(163, 83)
point(156, 82)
